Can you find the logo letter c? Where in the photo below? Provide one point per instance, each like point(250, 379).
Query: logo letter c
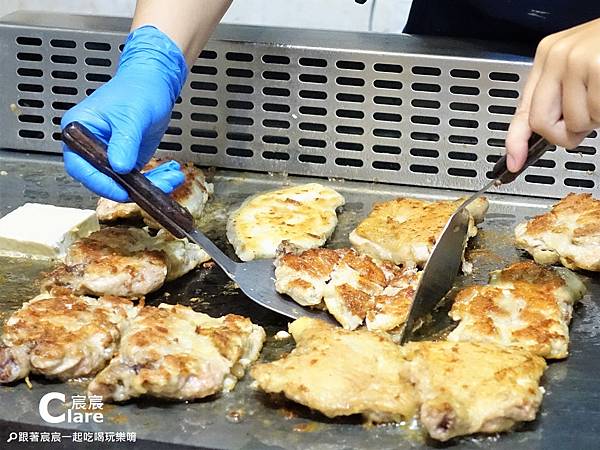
point(43, 407)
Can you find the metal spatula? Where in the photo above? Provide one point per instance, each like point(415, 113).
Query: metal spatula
point(446, 258)
point(255, 278)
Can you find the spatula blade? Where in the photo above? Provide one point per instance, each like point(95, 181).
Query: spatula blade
point(440, 271)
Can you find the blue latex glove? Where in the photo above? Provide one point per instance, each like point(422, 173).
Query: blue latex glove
point(131, 112)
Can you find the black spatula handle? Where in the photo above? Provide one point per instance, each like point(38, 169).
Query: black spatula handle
point(537, 147)
point(167, 212)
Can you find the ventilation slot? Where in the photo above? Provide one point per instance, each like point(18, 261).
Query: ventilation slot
point(240, 152)
point(387, 84)
point(350, 65)
point(241, 57)
point(424, 153)
point(97, 46)
point(421, 168)
point(242, 121)
point(464, 90)
point(312, 62)
point(311, 78)
point(313, 95)
point(204, 70)
point(275, 59)
point(278, 76)
point(63, 59)
point(539, 179)
point(460, 106)
point(208, 54)
point(388, 68)
point(350, 114)
point(390, 101)
point(349, 162)
point(349, 146)
point(32, 57)
point(429, 104)
point(503, 93)
point(239, 89)
point(465, 73)
point(503, 76)
point(388, 149)
point(276, 155)
point(62, 43)
point(316, 143)
point(427, 71)
point(352, 98)
point(30, 41)
point(270, 123)
point(313, 159)
point(386, 165)
point(308, 126)
point(279, 140)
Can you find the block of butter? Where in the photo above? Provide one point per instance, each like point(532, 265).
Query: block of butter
point(44, 231)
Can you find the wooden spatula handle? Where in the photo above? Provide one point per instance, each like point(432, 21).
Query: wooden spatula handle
point(537, 147)
point(167, 212)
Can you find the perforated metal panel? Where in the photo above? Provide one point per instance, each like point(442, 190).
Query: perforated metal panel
point(366, 107)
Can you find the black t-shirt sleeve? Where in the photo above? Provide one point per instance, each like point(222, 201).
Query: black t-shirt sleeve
point(504, 20)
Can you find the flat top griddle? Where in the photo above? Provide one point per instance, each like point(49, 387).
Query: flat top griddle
point(248, 419)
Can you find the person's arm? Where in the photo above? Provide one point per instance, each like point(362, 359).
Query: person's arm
point(561, 98)
point(131, 112)
point(189, 23)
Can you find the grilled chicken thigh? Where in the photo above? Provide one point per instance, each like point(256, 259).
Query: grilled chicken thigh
point(126, 262)
point(525, 305)
point(405, 230)
point(302, 215)
point(340, 372)
point(176, 353)
point(466, 387)
point(352, 287)
point(569, 233)
point(193, 194)
point(455, 388)
point(62, 336)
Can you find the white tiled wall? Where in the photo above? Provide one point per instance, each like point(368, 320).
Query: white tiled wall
point(388, 16)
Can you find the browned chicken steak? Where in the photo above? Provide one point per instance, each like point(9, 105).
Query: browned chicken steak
point(353, 288)
point(405, 230)
point(193, 194)
point(126, 262)
point(453, 388)
point(466, 388)
point(303, 215)
point(173, 352)
point(62, 336)
point(569, 233)
point(340, 373)
point(525, 305)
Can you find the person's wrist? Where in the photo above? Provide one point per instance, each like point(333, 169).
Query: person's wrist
point(158, 53)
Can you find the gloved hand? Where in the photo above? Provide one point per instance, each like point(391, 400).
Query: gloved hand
point(131, 112)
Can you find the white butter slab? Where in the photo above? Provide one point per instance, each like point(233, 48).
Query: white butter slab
point(42, 231)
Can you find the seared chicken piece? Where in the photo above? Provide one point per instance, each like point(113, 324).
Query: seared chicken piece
point(455, 388)
point(466, 387)
point(352, 287)
point(569, 233)
point(405, 230)
point(340, 373)
point(111, 211)
point(126, 262)
point(62, 336)
point(193, 194)
point(302, 215)
point(525, 305)
point(173, 352)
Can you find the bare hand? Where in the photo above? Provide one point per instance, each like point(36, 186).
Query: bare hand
point(561, 99)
